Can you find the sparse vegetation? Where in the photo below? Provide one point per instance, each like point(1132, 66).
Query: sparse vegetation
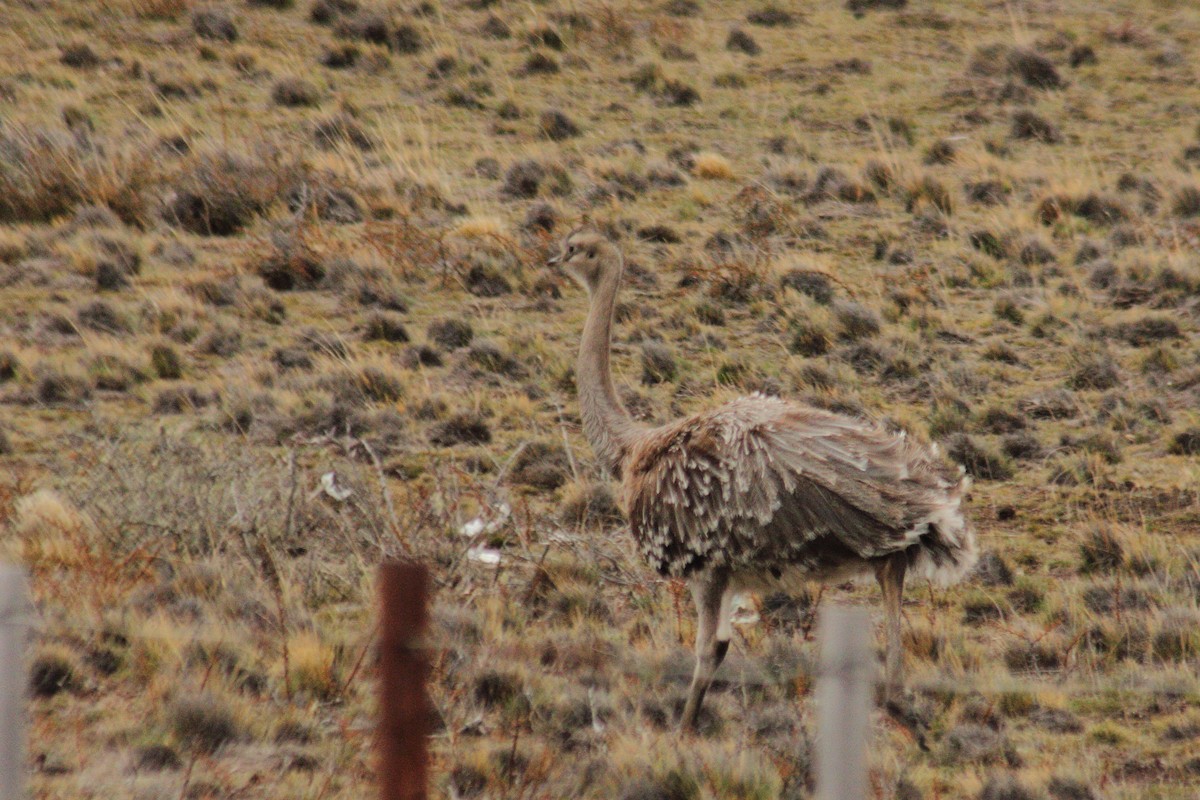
point(247, 245)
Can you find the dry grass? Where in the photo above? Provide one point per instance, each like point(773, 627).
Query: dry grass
point(244, 247)
point(713, 167)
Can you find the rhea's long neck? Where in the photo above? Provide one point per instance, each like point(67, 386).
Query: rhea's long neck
point(606, 423)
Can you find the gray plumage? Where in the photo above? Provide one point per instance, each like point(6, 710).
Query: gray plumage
point(765, 488)
point(762, 492)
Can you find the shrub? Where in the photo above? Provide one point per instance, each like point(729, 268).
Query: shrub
point(682, 8)
point(973, 744)
point(942, 151)
point(1177, 637)
point(557, 126)
point(1021, 446)
point(214, 25)
point(166, 362)
point(1006, 787)
point(219, 194)
point(496, 28)
point(541, 465)
point(658, 364)
point(856, 321)
point(295, 93)
point(740, 41)
point(79, 55)
point(46, 173)
point(323, 195)
point(860, 7)
point(809, 339)
point(363, 385)
point(10, 365)
point(291, 266)
point(590, 503)
point(1093, 370)
point(180, 400)
point(1034, 69)
point(987, 192)
point(53, 671)
point(523, 179)
point(1101, 550)
point(1148, 330)
point(1081, 55)
point(156, 758)
point(384, 326)
point(489, 357)
point(341, 56)
point(1034, 252)
point(450, 334)
point(979, 461)
point(461, 429)
point(342, 130)
point(1095, 208)
point(1186, 443)
point(406, 40)
point(102, 317)
point(495, 689)
point(1033, 656)
point(1028, 125)
point(539, 63)
point(376, 28)
point(993, 570)
point(1187, 202)
point(771, 17)
point(486, 281)
point(813, 284)
point(203, 722)
point(325, 12)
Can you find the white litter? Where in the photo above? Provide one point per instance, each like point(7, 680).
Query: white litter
point(473, 528)
point(745, 610)
point(331, 487)
point(482, 522)
point(597, 723)
point(484, 555)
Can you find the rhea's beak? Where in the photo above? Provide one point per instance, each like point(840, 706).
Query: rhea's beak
point(554, 261)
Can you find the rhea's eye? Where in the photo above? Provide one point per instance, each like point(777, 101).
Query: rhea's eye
point(571, 249)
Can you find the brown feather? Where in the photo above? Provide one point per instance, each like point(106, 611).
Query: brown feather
point(759, 486)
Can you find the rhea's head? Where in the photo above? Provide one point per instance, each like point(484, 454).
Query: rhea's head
point(587, 257)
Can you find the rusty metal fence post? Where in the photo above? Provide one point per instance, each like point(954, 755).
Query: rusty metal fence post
point(404, 709)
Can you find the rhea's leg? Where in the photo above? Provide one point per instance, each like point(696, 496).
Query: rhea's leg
point(713, 606)
point(891, 581)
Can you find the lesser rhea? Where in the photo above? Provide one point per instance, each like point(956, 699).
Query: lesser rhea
point(760, 492)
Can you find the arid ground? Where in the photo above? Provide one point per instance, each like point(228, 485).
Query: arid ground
point(273, 309)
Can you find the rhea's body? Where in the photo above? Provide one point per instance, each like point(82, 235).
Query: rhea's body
point(779, 493)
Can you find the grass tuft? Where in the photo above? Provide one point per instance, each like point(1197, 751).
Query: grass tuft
point(203, 722)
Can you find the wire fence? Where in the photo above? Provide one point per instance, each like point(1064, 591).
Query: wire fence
point(844, 690)
point(844, 677)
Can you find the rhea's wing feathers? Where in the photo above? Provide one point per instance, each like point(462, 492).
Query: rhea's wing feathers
point(757, 480)
point(873, 488)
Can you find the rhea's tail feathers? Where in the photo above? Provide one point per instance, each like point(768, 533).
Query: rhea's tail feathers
point(947, 551)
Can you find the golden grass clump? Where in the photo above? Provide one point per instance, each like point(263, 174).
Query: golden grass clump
point(52, 532)
point(713, 166)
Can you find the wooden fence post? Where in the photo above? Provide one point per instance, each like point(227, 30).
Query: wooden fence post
point(844, 696)
point(14, 624)
point(404, 709)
